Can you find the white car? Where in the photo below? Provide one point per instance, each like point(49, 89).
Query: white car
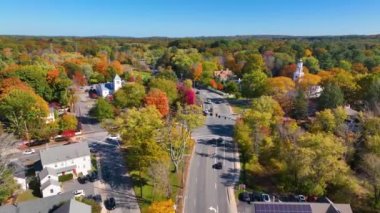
point(79, 193)
point(114, 137)
point(266, 197)
point(28, 151)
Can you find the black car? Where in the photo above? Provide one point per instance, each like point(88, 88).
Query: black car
point(82, 180)
point(96, 198)
point(245, 196)
point(110, 203)
point(93, 176)
point(218, 165)
point(256, 196)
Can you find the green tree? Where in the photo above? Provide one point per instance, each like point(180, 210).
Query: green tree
point(254, 84)
point(102, 110)
point(331, 97)
point(167, 86)
point(130, 95)
point(300, 105)
point(312, 63)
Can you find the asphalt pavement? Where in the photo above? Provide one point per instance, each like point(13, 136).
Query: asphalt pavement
point(114, 178)
point(209, 189)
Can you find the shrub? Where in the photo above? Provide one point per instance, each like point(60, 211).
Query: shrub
point(66, 177)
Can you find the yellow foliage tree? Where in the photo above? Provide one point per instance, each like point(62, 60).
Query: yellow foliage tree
point(166, 206)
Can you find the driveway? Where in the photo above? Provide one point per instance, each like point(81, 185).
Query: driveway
point(72, 185)
point(114, 179)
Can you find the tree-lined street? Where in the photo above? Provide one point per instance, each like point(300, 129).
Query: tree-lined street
point(209, 188)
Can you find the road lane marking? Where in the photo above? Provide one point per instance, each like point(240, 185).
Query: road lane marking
point(215, 185)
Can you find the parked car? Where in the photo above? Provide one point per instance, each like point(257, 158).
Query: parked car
point(110, 203)
point(300, 198)
point(113, 137)
point(266, 198)
point(208, 101)
point(28, 151)
point(256, 196)
point(245, 196)
point(79, 193)
point(96, 198)
point(92, 176)
point(218, 165)
point(82, 180)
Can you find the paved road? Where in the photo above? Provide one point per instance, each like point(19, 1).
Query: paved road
point(115, 181)
point(208, 187)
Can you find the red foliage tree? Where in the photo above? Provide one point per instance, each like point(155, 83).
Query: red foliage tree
point(288, 70)
point(52, 75)
point(157, 98)
point(220, 86)
point(79, 78)
point(190, 97)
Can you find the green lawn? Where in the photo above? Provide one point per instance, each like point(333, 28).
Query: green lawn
point(239, 105)
point(25, 196)
point(147, 189)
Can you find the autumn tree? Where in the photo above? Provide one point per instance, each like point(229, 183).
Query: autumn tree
point(68, 122)
point(167, 86)
point(116, 65)
point(23, 109)
point(300, 105)
point(162, 207)
point(282, 90)
point(242, 137)
point(130, 95)
point(197, 70)
point(157, 98)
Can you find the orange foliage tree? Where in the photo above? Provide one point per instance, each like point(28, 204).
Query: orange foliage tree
point(213, 84)
point(8, 84)
point(158, 99)
point(359, 68)
point(117, 66)
point(52, 75)
point(309, 80)
point(197, 71)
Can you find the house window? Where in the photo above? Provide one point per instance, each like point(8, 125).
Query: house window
point(84, 158)
point(55, 165)
point(51, 190)
point(72, 161)
point(49, 176)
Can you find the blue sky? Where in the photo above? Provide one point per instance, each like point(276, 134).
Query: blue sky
point(181, 18)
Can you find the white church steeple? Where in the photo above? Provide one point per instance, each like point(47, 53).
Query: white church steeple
point(299, 71)
point(116, 83)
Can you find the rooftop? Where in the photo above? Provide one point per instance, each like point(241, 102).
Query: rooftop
point(63, 153)
point(73, 206)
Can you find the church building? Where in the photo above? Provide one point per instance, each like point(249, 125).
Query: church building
point(106, 89)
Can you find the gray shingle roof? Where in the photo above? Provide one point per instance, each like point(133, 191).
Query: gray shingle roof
point(63, 153)
point(41, 205)
point(74, 206)
point(47, 171)
point(48, 183)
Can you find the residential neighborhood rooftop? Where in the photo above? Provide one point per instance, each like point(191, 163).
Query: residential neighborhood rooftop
point(62, 153)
